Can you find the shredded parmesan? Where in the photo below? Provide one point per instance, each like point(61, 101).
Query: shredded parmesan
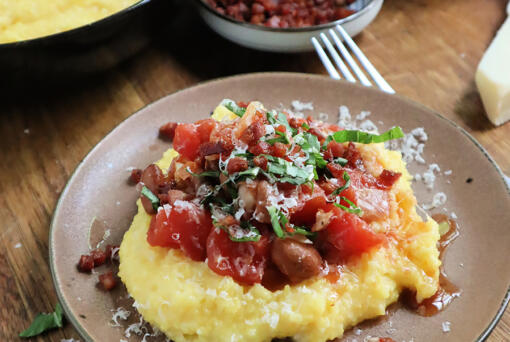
point(438, 200)
point(446, 326)
point(120, 313)
point(299, 106)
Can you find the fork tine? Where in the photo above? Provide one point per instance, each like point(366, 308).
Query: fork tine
point(378, 79)
point(338, 61)
point(325, 60)
point(348, 58)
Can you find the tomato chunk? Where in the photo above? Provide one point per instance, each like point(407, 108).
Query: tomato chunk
point(306, 215)
point(243, 261)
point(185, 226)
point(160, 232)
point(187, 140)
point(347, 235)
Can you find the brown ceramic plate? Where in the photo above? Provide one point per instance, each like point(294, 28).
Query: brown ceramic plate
point(477, 261)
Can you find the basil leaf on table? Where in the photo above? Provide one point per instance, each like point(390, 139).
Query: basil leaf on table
point(44, 322)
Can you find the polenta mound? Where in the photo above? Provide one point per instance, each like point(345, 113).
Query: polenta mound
point(190, 301)
point(28, 19)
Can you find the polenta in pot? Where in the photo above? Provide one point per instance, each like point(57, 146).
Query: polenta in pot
point(262, 225)
point(28, 19)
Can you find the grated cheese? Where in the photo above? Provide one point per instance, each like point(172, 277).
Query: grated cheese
point(438, 200)
point(120, 313)
point(301, 106)
point(446, 326)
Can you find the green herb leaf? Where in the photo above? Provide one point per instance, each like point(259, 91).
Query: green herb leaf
point(234, 108)
point(250, 173)
point(280, 119)
point(363, 137)
point(44, 322)
point(214, 174)
point(303, 231)
point(275, 221)
point(347, 180)
point(153, 198)
point(282, 138)
point(305, 126)
point(340, 161)
point(252, 233)
point(354, 209)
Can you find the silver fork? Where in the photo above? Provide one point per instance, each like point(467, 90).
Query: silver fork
point(362, 59)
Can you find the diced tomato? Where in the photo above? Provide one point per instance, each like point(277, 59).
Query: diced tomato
point(336, 149)
point(86, 263)
point(204, 129)
point(306, 215)
point(348, 235)
point(187, 140)
point(186, 226)
point(243, 261)
point(107, 281)
point(160, 232)
point(281, 128)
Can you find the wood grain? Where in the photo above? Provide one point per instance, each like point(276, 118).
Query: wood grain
point(428, 50)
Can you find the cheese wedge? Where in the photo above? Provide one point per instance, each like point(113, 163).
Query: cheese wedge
point(493, 76)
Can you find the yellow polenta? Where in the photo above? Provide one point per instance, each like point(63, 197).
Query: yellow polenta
point(27, 19)
point(189, 302)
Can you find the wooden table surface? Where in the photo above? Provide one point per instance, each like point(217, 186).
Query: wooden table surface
point(428, 50)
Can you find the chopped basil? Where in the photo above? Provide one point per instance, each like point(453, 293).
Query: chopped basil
point(310, 145)
point(282, 139)
point(44, 322)
point(363, 137)
point(153, 198)
point(303, 231)
point(280, 119)
point(251, 173)
point(252, 234)
point(234, 108)
point(353, 208)
point(275, 221)
point(305, 126)
point(340, 161)
point(215, 174)
point(287, 171)
point(347, 180)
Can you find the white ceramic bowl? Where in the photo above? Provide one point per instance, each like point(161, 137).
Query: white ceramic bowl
point(288, 39)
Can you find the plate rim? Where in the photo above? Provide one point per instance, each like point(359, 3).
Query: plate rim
point(73, 320)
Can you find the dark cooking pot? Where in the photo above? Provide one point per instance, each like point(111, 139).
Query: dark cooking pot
point(81, 51)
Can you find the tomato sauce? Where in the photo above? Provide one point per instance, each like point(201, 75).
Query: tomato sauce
point(447, 291)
